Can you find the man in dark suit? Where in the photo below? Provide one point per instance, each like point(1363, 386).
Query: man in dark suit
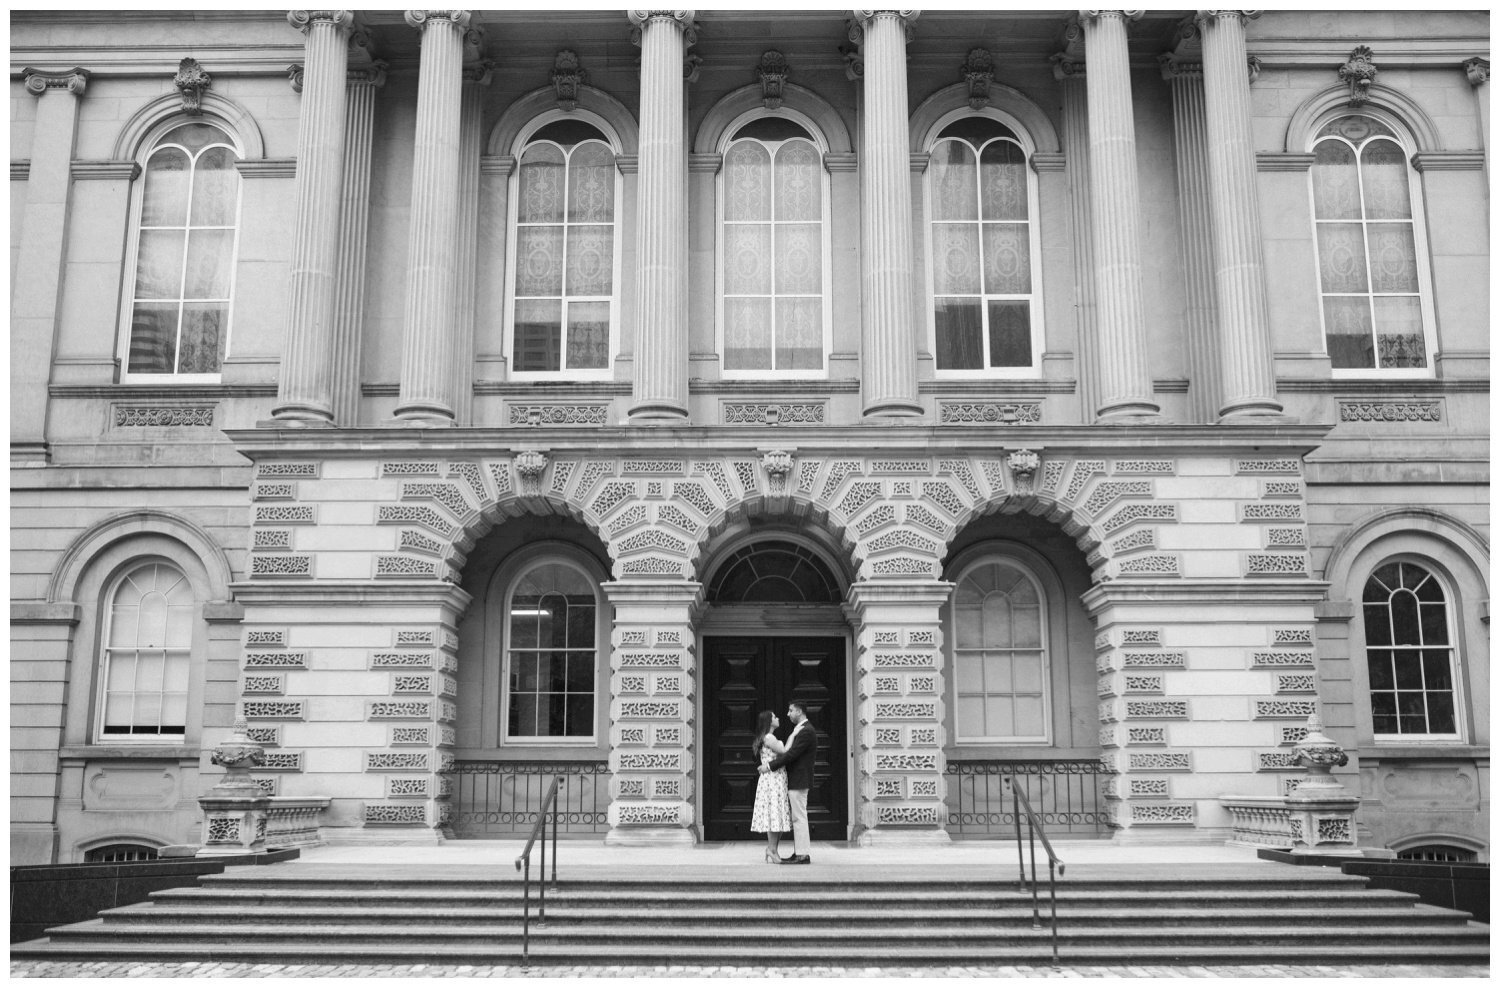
point(800, 756)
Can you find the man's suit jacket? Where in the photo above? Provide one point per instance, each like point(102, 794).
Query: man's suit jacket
point(799, 758)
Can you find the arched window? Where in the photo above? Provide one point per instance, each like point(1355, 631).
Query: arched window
point(983, 245)
point(775, 572)
point(1410, 655)
point(1001, 665)
point(186, 216)
point(1371, 252)
point(551, 615)
point(564, 254)
point(147, 653)
point(774, 260)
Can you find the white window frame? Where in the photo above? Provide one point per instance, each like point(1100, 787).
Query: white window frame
point(1043, 616)
point(826, 229)
point(532, 740)
point(1033, 221)
point(1455, 660)
point(512, 223)
point(106, 658)
point(149, 146)
point(1423, 260)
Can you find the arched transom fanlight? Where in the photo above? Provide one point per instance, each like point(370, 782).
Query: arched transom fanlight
point(774, 572)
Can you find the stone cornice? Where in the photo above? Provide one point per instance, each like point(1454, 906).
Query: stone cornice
point(323, 592)
point(161, 391)
point(106, 169)
point(1386, 389)
point(497, 164)
point(1448, 161)
point(705, 163)
point(20, 171)
point(1284, 161)
point(44, 612)
point(267, 167)
point(1426, 53)
point(1049, 161)
point(1174, 592)
point(840, 161)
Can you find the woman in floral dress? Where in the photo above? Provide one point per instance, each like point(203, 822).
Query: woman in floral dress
point(773, 812)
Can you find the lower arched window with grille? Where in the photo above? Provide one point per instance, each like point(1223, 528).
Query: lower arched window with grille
point(1000, 654)
point(1409, 650)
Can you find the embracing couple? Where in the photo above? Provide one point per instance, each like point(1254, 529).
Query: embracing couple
point(786, 773)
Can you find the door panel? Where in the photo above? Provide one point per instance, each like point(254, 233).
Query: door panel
point(743, 676)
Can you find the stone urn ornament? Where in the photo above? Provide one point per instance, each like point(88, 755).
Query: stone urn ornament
point(238, 753)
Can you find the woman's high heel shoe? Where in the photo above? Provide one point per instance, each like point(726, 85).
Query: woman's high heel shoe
point(772, 857)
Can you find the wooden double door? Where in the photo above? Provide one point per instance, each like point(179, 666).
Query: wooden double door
point(744, 675)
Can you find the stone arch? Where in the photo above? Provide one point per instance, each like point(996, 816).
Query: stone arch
point(1004, 102)
point(1390, 105)
point(726, 111)
point(139, 523)
point(595, 103)
point(168, 109)
point(1428, 523)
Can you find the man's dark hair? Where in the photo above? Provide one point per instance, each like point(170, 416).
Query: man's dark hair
point(799, 705)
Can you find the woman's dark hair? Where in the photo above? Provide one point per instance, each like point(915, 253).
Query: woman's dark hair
point(762, 728)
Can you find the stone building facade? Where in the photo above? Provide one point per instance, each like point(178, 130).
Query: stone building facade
point(1093, 397)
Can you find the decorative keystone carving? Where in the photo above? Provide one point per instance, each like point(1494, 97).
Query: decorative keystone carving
point(74, 80)
point(530, 465)
point(1023, 463)
point(978, 71)
point(191, 80)
point(772, 71)
point(238, 754)
point(1478, 71)
point(1319, 755)
point(1359, 71)
point(567, 78)
point(777, 464)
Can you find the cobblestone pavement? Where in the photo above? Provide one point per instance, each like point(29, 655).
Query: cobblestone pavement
point(208, 969)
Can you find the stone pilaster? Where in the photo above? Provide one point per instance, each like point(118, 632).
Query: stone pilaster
point(1478, 72)
point(1068, 69)
point(659, 389)
point(476, 76)
point(354, 221)
point(1186, 79)
point(38, 266)
point(1114, 204)
point(305, 392)
point(652, 688)
point(888, 351)
point(899, 713)
point(428, 347)
point(1248, 375)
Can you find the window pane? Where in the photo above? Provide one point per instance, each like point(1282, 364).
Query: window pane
point(147, 713)
point(523, 709)
point(591, 184)
point(539, 260)
point(215, 187)
point(997, 621)
point(118, 708)
point(799, 259)
point(954, 183)
point(799, 182)
point(955, 259)
point(1386, 193)
point(1010, 334)
point(1434, 624)
point(195, 136)
point(958, 328)
point(1335, 182)
point(999, 716)
point(997, 676)
point(1437, 671)
point(970, 674)
point(1408, 669)
point(1404, 624)
point(1393, 257)
point(1383, 712)
point(590, 260)
point(121, 672)
point(1007, 259)
point(1377, 624)
point(1350, 341)
point(179, 625)
point(153, 337)
point(553, 672)
point(164, 195)
point(580, 678)
point(538, 334)
point(1002, 192)
point(1030, 717)
point(588, 335)
point(1411, 713)
point(747, 334)
point(968, 630)
point(158, 270)
point(176, 675)
point(1382, 669)
point(747, 182)
point(1341, 257)
point(173, 712)
point(580, 625)
point(1398, 328)
point(209, 262)
point(1027, 668)
point(580, 715)
point(799, 334)
point(971, 716)
point(747, 255)
point(202, 345)
point(1440, 717)
point(540, 197)
point(524, 674)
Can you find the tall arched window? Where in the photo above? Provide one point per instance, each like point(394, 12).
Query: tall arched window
point(1371, 265)
point(1000, 655)
point(147, 652)
point(1409, 651)
point(981, 194)
point(564, 254)
point(551, 654)
point(187, 215)
point(774, 261)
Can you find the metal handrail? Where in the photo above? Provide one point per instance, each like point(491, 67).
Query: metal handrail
point(1055, 864)
point(549, 804)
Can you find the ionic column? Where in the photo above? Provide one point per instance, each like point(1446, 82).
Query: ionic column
point(1068, 69)
point(888, 348)
point(305, 391)
point(354, 221)
point(475, 76)
point(1248, 377)
point(1114, 205)
point(428, 346)
point(38, 268)
point(659, 390)
point(1189, 129)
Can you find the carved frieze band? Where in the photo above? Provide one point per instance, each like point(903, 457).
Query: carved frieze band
point(161, 416)
point(1390, 411)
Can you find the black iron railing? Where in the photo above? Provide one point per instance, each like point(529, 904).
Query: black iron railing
point(504, 799)
point(548, 810)
point(1065, 795)
point(1034, 829)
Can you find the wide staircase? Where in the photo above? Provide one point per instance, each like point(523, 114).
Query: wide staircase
point(309, 913)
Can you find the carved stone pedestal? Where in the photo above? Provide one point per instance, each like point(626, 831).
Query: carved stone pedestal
point(239, 818)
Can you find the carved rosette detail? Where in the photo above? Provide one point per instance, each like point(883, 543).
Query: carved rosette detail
point(772, 71)
point(191, 80)
point(978, 73)
point(1359, 72)
point(568, 77)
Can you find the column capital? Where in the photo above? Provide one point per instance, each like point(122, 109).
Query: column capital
point(1173, 68)
point(74, 80)
point(479, 73)
point(372, 75)
point(1090, 16)
point(685, 19)
point(1478, 71)
point(1206, 17)
point(420, 19)
point(303, 20)
point(858, 20)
